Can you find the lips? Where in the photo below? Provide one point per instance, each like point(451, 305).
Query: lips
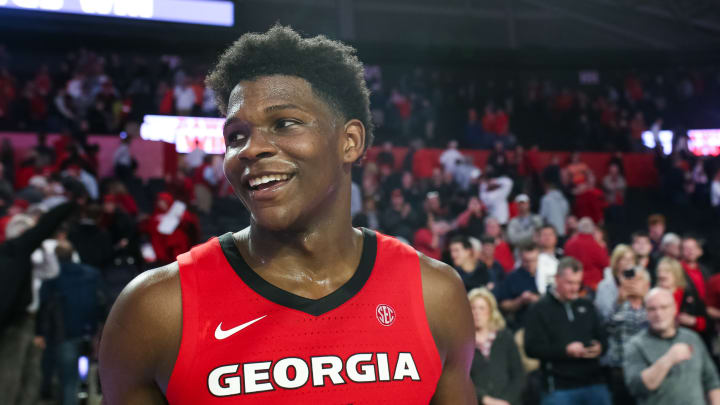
point(267, 189)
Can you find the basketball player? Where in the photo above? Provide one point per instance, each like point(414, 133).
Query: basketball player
point(300, 307)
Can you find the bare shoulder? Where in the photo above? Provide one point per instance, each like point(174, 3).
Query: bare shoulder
point(141, 338)
point(451, 324)
point(446, 303)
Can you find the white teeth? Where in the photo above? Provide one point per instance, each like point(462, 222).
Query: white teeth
point(266, 179)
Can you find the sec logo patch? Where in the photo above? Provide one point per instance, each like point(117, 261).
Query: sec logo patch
point(385, 314)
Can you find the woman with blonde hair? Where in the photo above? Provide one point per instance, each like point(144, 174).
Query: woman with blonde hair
point(497, 371)
point(623, 258)
point(692, 312)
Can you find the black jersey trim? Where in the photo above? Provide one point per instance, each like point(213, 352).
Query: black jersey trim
point(285, 298)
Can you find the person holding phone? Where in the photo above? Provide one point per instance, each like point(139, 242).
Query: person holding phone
point(565, 332)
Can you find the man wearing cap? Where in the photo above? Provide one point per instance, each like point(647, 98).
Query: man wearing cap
point(521, 229)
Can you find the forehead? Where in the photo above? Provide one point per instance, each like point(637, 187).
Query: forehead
point(261, 92)
point(659, 299)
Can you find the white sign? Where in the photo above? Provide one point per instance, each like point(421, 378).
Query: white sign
point(185, 132)
point(220, 13)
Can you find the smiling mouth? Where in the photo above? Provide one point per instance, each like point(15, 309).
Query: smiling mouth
point(268, 182)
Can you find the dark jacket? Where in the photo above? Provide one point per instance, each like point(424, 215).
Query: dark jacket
point(500, 375)
point(70, 304)
point(15, 265)
point(549, 327)
point(481, 276)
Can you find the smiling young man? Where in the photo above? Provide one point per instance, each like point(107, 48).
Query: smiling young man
point(300, 307)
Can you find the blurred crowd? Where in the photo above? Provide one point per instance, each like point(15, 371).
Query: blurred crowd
point(569, 306)
point(608, 110)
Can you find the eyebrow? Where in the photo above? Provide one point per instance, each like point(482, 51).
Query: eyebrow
point(267, 110)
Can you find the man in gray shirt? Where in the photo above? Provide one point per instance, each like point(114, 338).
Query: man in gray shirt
point(668, 365)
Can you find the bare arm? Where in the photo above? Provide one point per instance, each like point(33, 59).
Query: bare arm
point(654, 375)
point(713, 312)
point(512, 305)
point(141, 339)
point(451, 324)
point(714, 397)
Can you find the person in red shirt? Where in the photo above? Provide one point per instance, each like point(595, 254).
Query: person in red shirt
point(503, 253)
point(696, 276)
point(585, 248)
point(324, 294)
point(488, 120)
point(690, 308)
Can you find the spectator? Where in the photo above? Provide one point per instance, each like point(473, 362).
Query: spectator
point(170, 237)
point(400, 219)
point(642, 247)
point(554, 208)
point(622, 260)
point(70, 312)
point(93, 243)
point(474, 135)
point(566, 334)
point(627, 318)
point(196, 157)
point(497, 369)
point(696, 276)
point(123, 162)
point(471, 220)
point(16, 326)
point(667, 365)
point(430, 239)
point(369, 217)
point(715, 193)
point(185, 97)
point(521, 229)
point(584, 247)
point(547, 258)
point(691, 308)
point(519, 290)
point(669, 247)
point(486, 256)
point(205, 183)
point(656, 229)
point(474, 272)
point(497, 161)
point(503, 254)
point(614, 185)
point(494, 194)
point(450, 158)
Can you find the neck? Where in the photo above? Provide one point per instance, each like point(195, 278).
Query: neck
point(635, 302)
point(314, 251)
point(549, 250)
point(667, 333)
point(691, 263)
point(468, 266)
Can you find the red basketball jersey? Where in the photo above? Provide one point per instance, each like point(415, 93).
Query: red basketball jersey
point(246, 341)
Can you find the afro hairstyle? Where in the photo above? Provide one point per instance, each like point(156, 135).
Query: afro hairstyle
point(332, 68)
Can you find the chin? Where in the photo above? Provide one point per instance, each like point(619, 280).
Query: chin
point(275, 219)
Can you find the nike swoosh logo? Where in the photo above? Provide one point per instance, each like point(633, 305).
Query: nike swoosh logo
point(224, 334)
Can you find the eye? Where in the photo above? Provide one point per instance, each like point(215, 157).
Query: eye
point(235, 136)
point(285, 123)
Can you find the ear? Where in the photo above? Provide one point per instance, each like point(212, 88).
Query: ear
point(353, 141)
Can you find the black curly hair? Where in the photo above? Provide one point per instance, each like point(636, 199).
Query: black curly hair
point(333, 70)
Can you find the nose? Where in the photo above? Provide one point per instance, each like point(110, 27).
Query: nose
point(257, 146)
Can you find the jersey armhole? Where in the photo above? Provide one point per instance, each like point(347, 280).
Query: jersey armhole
point(421, 318)
point(185, 359)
